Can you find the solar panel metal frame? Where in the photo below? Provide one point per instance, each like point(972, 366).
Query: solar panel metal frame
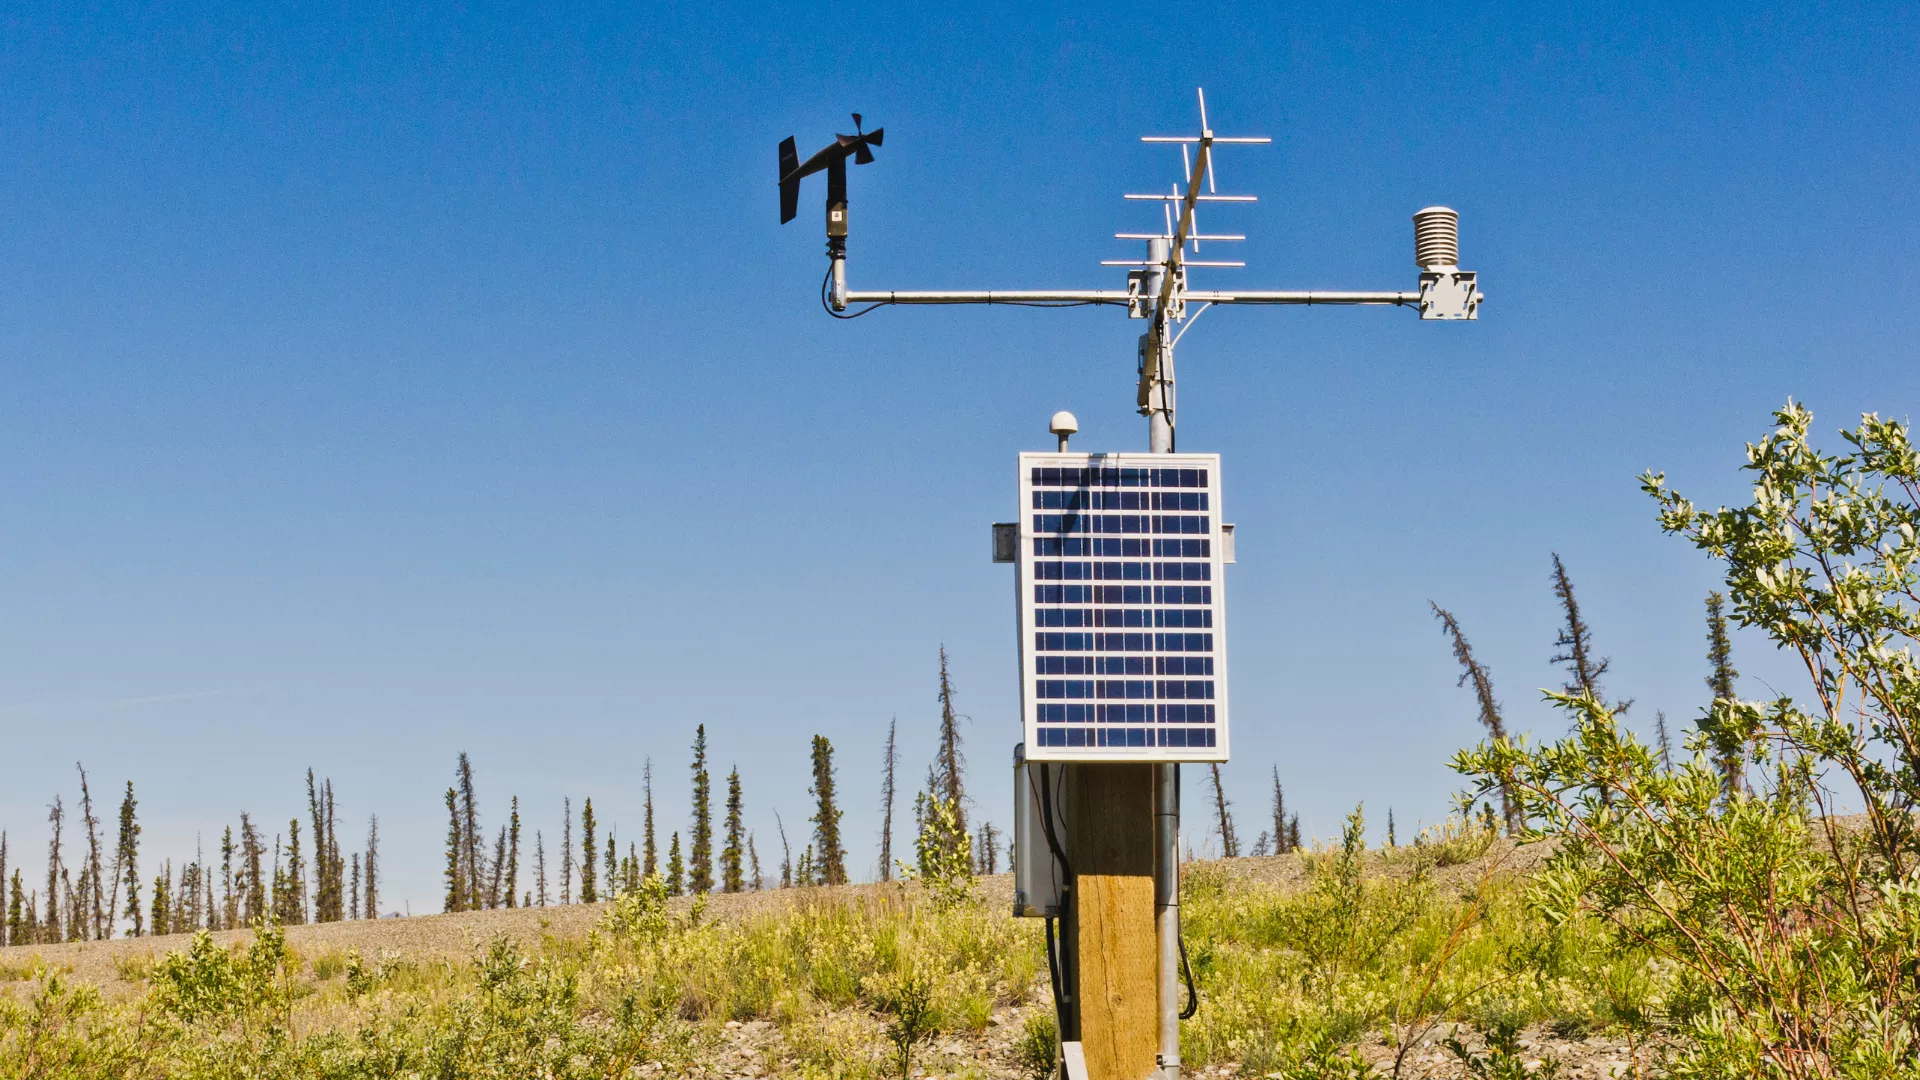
point(1028, 608)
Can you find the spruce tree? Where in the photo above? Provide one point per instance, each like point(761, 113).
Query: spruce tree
point(353, 888)
point(296, 878)
point(566, 851)
point(496, 868)
point(126, 862)
point(56, 868)
point(370, 896)
point(649, 852)
point(1392, 840)
point(513, 853)
point(161, 916)
point(588, 894)
point(540, 867)
point(19, 923)
point(472, 855)
point(889, 765)
point(1472, 671)
point(700, 866)
point(254, 890)
point(5, 928)
point(613, 866)
point(1666, 744)
point(1229, 840)
point(456, 871)
point(753, 863)
point(731, 856)
point(830, 858)
point(1730, 753)
point(676, 869)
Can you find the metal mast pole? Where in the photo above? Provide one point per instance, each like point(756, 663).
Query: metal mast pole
point(1156, 355)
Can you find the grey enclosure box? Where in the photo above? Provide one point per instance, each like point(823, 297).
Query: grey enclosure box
point(1006, 541)
point(1037, 879)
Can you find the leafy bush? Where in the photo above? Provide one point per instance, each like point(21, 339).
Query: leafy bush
point(1793, 937)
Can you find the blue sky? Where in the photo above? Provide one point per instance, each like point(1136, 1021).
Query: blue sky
point(383, 383)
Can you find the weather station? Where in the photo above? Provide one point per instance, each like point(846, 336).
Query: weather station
point(1121, 601)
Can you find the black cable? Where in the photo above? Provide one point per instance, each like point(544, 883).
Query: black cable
point(1053, 969)
point(1186, 969)
point(1193, 996)
point(825, 303)
point(1046, 825)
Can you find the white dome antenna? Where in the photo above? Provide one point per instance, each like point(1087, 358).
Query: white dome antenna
point(1063, 424)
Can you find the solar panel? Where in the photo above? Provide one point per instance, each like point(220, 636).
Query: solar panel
point(1122, 607)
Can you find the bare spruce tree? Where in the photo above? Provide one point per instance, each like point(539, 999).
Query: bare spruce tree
point(96, 908)
point(1584, 667)
point(229, 900)
point(786, 853)
point(1475, 673)
point(1280, 845)
point(700, 866)
point(456, 870)
point(370, 896)
point(887, 791)
point(1229, 840)
point(1666, 743)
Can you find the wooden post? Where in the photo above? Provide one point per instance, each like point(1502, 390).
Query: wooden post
point(1114, 964)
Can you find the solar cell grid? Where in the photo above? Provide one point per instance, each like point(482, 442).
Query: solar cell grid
point(1121, 607)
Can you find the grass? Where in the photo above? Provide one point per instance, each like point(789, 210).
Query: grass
point(1381, 948)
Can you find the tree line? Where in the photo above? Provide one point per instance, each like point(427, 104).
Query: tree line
point(90, 896)
point(291, 879)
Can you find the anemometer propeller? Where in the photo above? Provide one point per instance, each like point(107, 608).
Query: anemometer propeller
point(1157, 288)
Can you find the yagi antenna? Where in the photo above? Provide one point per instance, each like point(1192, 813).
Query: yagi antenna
point(1157, 287)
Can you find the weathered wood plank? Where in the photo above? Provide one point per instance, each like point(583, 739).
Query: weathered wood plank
point(1110, 843)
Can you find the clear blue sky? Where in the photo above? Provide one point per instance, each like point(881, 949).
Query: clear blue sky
point(382, 383)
